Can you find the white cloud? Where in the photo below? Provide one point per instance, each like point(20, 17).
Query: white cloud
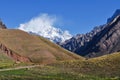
point(43, 25)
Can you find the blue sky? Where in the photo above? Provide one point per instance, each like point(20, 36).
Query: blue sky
point(77, 16)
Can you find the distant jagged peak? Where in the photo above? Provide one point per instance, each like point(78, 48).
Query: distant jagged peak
point(116, 13)
point(2, 25)
point(103, 39)
point(116, 19)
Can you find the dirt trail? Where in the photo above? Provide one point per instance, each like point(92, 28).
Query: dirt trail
point(21, 67)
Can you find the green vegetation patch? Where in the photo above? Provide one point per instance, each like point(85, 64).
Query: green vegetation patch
point(46, 73)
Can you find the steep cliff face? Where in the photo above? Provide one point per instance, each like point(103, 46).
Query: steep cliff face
point(81, 40)
point(116, 13)
point(104, 42)
point(101, 40)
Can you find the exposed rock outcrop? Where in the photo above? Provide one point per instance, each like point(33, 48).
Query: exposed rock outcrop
point(117, 12)
point(13, 55)
point(2, 26)
point(81, 39)
point(106, 41)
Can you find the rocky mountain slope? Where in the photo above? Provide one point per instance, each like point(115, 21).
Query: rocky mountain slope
point(101, 40)
point(117, 12)
point(80, 39)
point(2, 25)
point(23, 47)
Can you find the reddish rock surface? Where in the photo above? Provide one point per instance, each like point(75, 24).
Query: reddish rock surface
point(13, 55)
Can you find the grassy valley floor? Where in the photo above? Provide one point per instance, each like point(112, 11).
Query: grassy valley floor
point(48, 73)
point(101, 68)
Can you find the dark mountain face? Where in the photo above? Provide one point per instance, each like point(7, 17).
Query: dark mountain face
point(105, 41)
point(81, 40)
point(100, 41)
point(117, 12)
point(2, 26)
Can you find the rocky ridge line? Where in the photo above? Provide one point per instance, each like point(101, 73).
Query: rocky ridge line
point(101, 40)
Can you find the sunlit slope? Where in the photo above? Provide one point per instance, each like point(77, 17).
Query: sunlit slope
point(5, 61)
point(36, 48)
point(102, 68)
point(105, 66)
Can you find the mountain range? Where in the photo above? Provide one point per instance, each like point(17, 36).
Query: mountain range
point(29, 56)
point(104, 39)
point(20, 46)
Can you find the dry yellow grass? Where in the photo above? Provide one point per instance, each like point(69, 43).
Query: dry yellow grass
point(104, 66)
point(36, 48)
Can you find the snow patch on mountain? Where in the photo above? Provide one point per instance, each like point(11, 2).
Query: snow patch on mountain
point(43, 25)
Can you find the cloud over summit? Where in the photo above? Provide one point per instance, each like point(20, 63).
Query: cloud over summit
point(43, 25)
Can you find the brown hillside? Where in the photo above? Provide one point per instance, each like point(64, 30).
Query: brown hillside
point(24, 47)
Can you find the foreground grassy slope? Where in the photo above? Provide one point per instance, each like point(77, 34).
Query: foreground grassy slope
point(37, 49)
point(101, 68)
point(105, 66)
point(5, 61)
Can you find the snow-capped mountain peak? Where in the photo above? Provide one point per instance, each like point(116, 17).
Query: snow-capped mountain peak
point(43, 25)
